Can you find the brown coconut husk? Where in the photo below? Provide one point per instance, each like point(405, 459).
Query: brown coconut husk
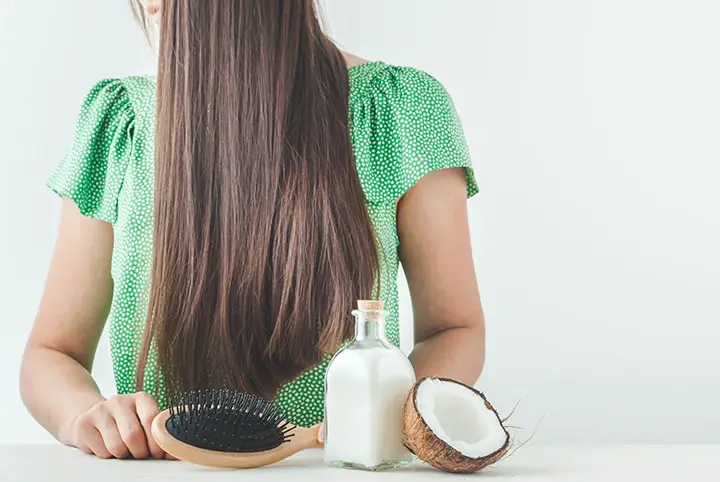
point(423, 442)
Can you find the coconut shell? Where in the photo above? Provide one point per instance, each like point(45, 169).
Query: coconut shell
point(423, 442)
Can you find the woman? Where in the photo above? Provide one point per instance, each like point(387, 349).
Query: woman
point(225, 217)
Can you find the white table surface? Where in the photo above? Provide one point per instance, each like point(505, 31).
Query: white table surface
point(531, 463)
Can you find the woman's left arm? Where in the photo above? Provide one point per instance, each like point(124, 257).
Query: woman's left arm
point(435, 251)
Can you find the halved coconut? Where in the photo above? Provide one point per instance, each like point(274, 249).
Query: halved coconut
point(453, 427)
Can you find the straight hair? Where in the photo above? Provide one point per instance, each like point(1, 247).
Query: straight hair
point(262, 239)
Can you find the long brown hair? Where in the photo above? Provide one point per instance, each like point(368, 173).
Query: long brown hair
point(262, 239)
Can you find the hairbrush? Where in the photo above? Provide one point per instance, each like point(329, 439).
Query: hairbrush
point(228, 429)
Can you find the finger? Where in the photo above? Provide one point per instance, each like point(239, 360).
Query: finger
point(107, 427)
point(131, 432)
point(169, 457)
point(88, 438)
point(83, 447)
point(147, 409)
point(96, 444)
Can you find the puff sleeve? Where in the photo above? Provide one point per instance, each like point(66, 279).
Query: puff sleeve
point(405, 125)
point(92, 172)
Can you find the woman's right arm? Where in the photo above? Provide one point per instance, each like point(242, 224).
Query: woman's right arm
point(55, 380)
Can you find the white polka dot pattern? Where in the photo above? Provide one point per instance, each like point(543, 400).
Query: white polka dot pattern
point(403, 125)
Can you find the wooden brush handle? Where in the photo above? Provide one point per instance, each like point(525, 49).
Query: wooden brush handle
point(303, 438)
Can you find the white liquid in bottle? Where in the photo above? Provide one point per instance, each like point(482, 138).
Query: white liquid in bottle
point(367, 383)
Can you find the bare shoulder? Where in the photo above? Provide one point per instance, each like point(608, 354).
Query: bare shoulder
point(353, 60)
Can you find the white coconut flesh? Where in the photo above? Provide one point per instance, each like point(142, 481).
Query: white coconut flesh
point(460, 418)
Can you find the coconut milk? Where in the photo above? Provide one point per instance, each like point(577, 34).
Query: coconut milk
point(367, 383)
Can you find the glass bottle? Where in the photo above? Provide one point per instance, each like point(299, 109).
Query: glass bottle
point(366, 386)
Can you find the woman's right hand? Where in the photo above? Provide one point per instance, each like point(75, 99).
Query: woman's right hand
point(119, 427)
point(60, 350)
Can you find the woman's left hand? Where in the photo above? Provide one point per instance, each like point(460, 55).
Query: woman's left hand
point(321, 432)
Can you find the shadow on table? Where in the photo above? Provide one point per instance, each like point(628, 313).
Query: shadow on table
point(499, 471)
point(419, 469)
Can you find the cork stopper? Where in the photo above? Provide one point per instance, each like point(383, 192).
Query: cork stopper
point(370, 305)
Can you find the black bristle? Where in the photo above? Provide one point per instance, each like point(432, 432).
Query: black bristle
point(228, 421)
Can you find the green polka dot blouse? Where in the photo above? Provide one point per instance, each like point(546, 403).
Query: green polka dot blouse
point(403, 125)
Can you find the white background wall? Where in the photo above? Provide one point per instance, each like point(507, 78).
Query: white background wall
point(594, 128)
